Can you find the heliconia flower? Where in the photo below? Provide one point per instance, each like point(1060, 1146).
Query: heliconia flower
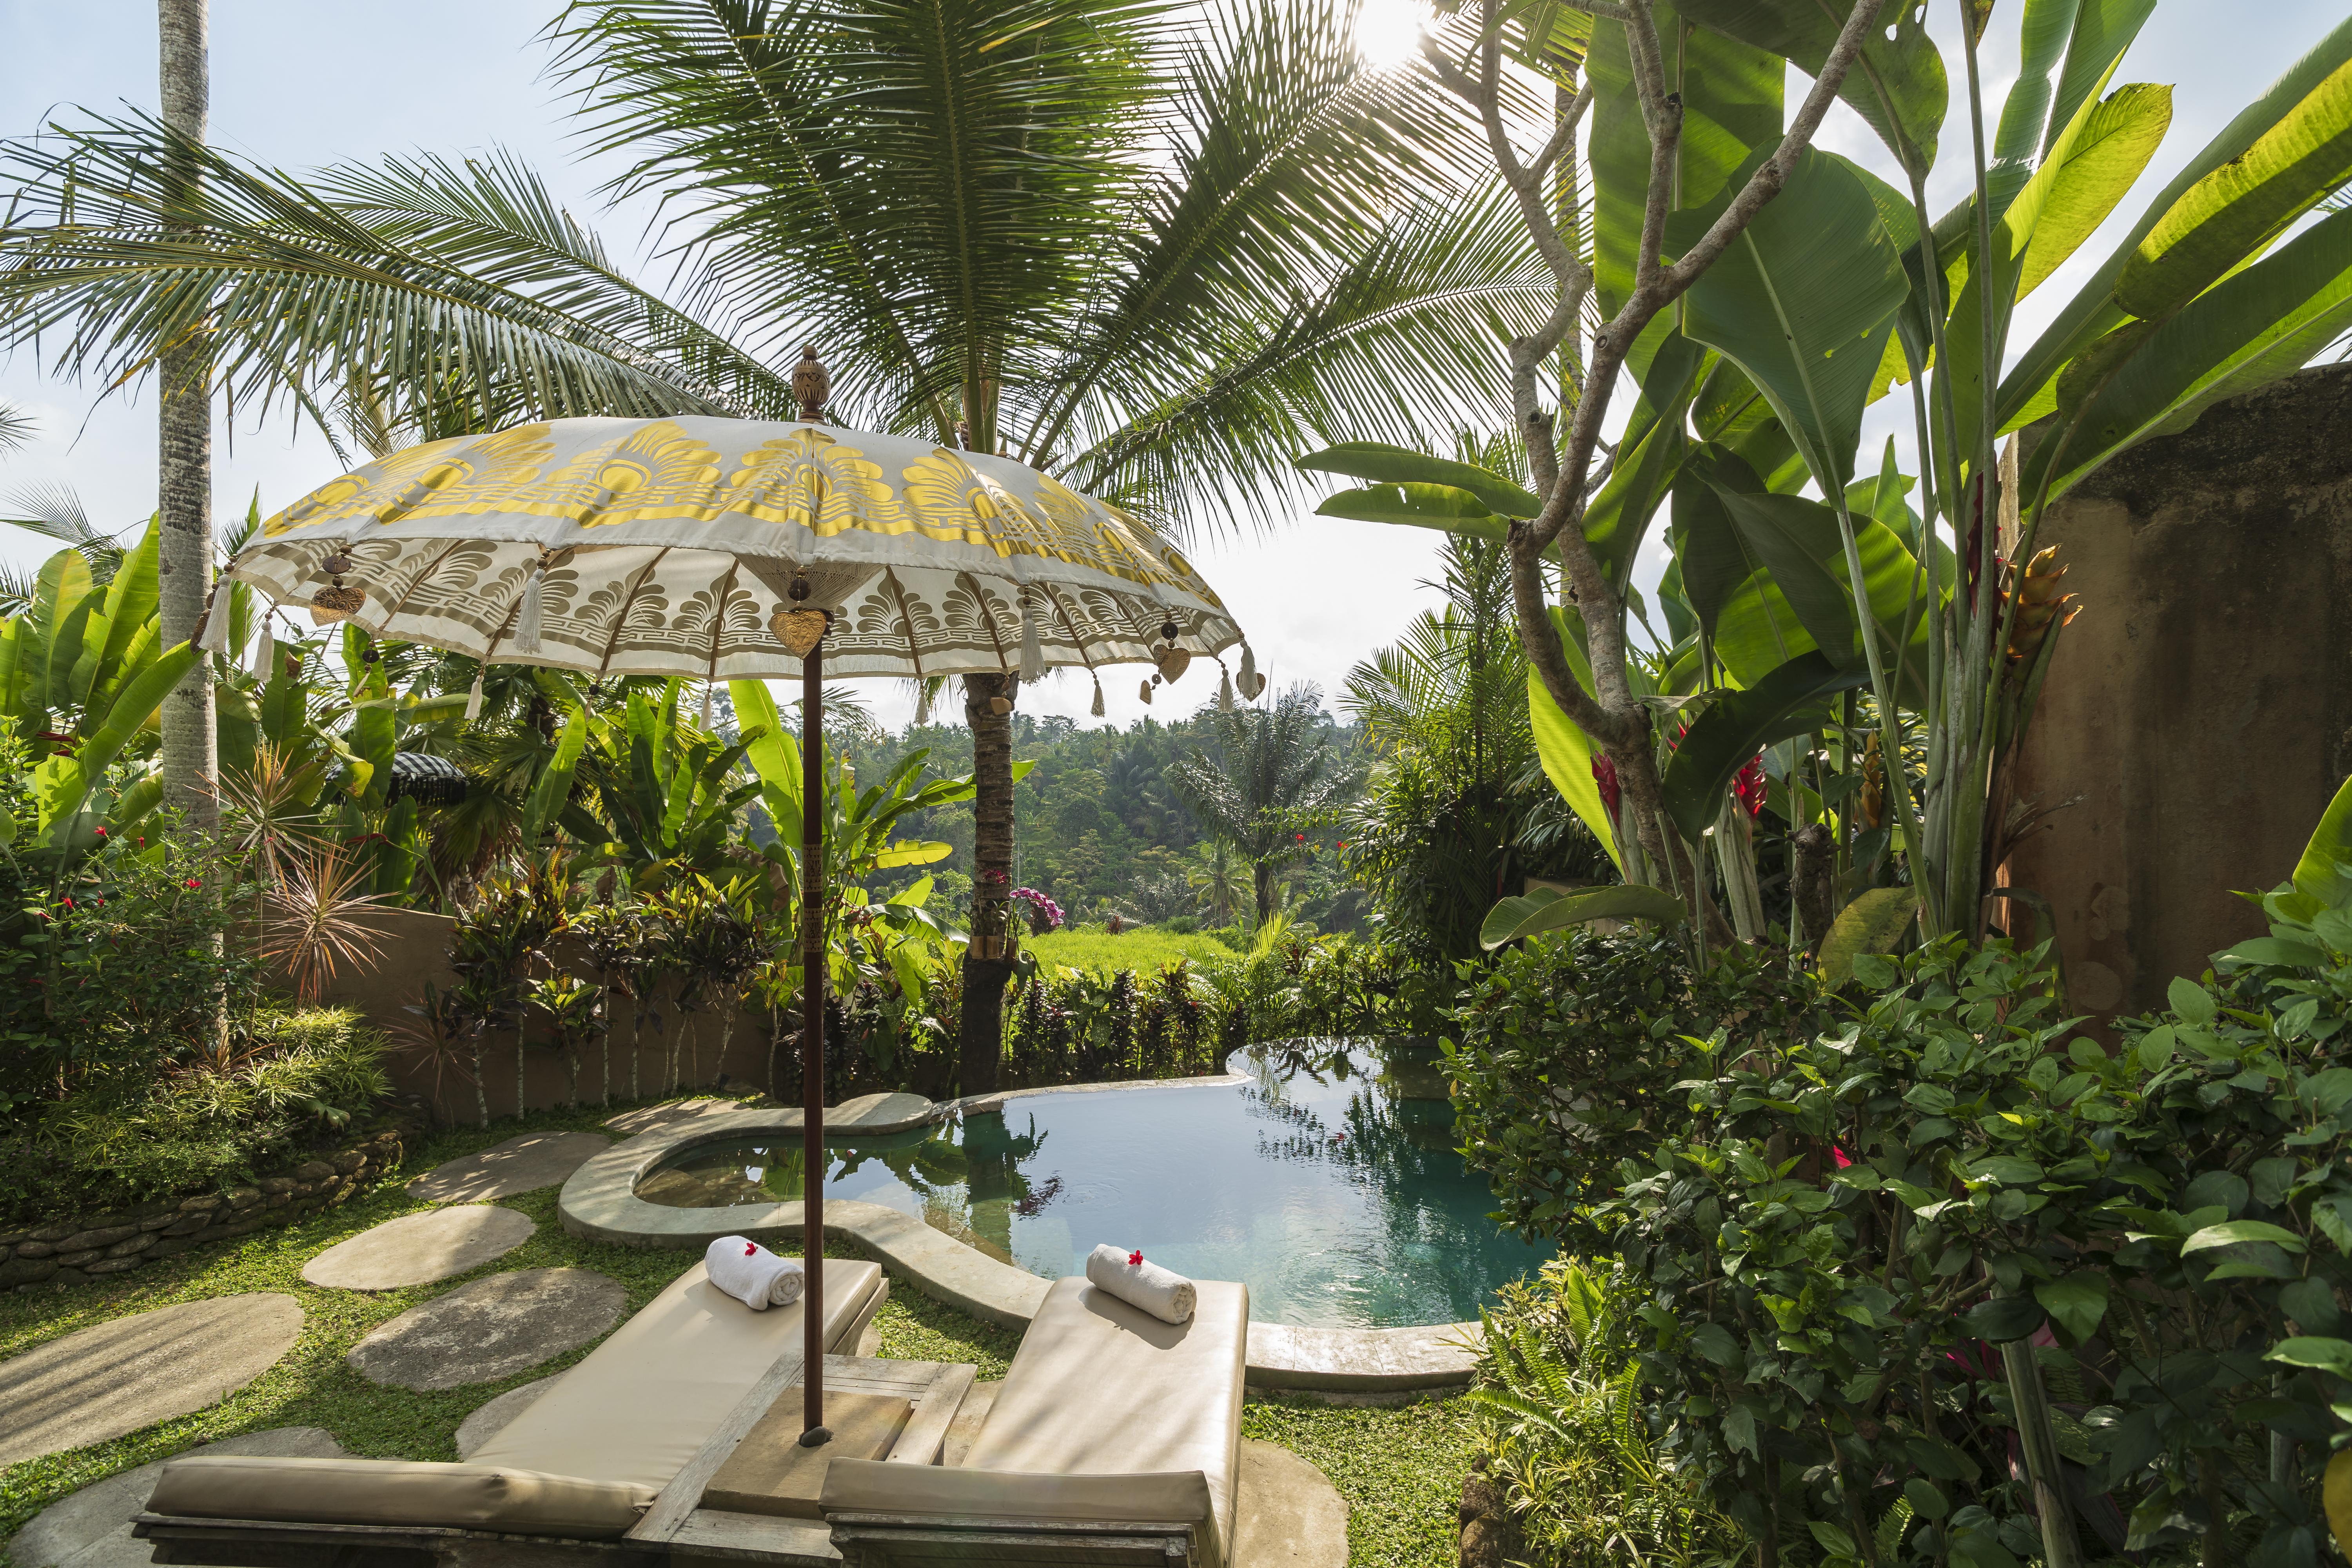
point(1605, 771)
point(1749, 786)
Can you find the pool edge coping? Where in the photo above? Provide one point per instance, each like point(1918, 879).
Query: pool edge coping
point(599, 1203)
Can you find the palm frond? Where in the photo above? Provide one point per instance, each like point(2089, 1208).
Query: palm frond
point(1395, 337)
point(16, 428)
point(415, 277)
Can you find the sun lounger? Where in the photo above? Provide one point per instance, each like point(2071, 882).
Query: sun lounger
point(1116, 1438)
point(565, 1482)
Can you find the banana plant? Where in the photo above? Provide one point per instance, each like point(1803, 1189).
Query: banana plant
point(662, 795)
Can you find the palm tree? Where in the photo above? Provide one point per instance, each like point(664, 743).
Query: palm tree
point(190, 765)
point(1215, 880)
point(1151, 251)
point(1275, 776)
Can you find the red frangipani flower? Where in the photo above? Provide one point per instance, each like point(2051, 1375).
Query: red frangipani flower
point(1135, 1259)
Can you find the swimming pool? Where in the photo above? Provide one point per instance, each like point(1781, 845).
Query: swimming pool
point(1327, 1181)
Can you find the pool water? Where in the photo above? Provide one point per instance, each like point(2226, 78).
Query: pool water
point(1328, 1182)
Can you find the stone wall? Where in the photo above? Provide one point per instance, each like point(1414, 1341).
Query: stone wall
point(414, 950)
point(2201, 704)
point(71, 1251)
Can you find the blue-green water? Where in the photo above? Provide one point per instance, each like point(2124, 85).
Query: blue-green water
point(1328, 1184)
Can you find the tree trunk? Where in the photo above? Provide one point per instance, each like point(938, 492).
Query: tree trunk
point(980, 1033)
point(184, 460)
point(1262, 881)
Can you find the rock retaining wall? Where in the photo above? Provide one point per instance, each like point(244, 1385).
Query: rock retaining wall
point(73, 1251)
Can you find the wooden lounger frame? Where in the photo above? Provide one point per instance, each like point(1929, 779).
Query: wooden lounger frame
point(933, 1540)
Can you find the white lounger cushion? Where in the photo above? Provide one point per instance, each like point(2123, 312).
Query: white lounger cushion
point(876, 1486)
point(643, 1403)
point(1101, 1388)
point(395, 1492)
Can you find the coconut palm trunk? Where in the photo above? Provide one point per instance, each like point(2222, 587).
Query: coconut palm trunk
point(184, 454)
point(981, 1029)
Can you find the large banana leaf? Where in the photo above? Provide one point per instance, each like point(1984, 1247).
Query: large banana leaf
point(69, 781)
point(1566, 753)
point(2093, 311)
point(1897, 86)
point(1731, 94)
point(2093, 163)
point(1759, 630)
point(1546, 909)
point(1712, 556)
point(1442, 507)
point(1387, 465)
point(130, 614)
point(1803, 300)
point(1736, 727)
point(552, 790)
point(2238, 208)
point(2264, 323)
point(1619, 518)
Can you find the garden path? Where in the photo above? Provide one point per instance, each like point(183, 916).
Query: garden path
point(490, 1329)
point(118, 1376)
point(418, 1248)
point(521, 1165)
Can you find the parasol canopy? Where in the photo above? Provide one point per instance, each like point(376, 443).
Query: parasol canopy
point(666, 547)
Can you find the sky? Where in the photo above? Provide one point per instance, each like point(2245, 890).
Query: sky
point(302, 82)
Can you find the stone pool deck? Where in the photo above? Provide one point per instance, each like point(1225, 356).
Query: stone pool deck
point(600, 1203)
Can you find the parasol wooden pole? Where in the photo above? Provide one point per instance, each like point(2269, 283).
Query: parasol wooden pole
point(812, 979)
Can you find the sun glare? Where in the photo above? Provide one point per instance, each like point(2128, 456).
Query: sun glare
point(1389, 31)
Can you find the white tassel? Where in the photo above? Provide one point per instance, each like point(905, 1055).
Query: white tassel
point(1098, 709)
point(526, 632)
point(922, 703)
point(1032, 649)
point(1224, 689)
point(706, 705)
point(265, 653)
point(215, 634)
point(474, 697)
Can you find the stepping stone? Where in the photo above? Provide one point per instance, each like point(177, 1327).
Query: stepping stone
point(91, 1528)
point(521, 1164)
point(1288, 1515)
point(493, 1417)
point(418, 1248)
point(134, 1372)
point(490, 1329)
point(876, 1114)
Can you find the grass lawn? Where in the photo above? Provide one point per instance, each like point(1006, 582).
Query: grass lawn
point(1144, 949)
point(1400, 1467)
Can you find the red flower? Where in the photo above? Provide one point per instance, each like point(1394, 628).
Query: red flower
point(751, 1250)
point(1300, 837)
point(1135, 1259)
point(1605, 771)
point(99, 831)
point(194, 883)
point(1749, 786)
point(69, 903)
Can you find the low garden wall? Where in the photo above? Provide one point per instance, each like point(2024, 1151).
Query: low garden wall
point(74, 1249)
point(413, 951)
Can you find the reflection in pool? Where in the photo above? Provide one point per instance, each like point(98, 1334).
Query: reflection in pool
point(1328, 1184)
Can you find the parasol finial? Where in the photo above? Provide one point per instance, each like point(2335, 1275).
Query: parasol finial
point(812, 384)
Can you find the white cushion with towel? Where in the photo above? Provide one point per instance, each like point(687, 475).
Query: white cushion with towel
point(1140, 1282)
point(753, 1275)
point(1101, 1396)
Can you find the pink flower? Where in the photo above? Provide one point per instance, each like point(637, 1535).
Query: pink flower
point(1605, 771)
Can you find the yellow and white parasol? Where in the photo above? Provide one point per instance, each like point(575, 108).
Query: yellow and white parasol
point(669, 546)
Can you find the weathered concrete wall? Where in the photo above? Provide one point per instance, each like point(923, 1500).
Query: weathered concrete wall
point(2201, 704)
point(415, 951)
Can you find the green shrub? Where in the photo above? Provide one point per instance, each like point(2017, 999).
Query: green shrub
point(1562, 1427)
point(1563, 1053)
point(303, 1076)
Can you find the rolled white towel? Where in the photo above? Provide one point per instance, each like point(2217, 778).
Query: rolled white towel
point(753, 1275)
point(1163, 1292)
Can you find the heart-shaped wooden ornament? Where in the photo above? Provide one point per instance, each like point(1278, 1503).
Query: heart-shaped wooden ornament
point(1251, 685)
point(1172, 662)
point(800, 630)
